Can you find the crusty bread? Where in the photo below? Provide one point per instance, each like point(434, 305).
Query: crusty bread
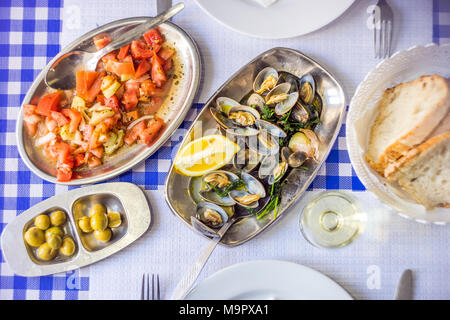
point(424, 172)
point(407, 114)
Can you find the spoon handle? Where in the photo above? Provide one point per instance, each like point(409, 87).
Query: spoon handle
point(139, 30)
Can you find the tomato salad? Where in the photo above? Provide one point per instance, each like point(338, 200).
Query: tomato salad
point(113, 106)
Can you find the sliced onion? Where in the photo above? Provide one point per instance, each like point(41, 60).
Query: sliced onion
point(135, 122)
point(99, 107)
point(144, 77)
point(45, 139)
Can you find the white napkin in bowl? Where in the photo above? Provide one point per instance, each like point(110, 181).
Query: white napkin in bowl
point(265, 3)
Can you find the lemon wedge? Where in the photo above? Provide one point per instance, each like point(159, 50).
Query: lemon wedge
point(204, 155)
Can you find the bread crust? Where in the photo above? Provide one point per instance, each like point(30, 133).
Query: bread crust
point(416, 135)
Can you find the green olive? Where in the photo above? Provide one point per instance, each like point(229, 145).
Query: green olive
point(103, 236)
point(114, 219)
point(46, 253)
point(85, 224)
point(53, 231)
point(42, 221)
point(58, 218)
point(34, 237)
point(99, 221)
point(68, 247)
point(97, 208)
point(54, 241)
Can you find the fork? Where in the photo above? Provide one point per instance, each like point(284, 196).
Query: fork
point(145, 291)
point(382, 31)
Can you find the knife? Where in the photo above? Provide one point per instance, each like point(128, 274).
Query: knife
point(405, 286)
point(162, 5)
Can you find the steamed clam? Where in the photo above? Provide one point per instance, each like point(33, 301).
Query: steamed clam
point(243, 116)
point(217, 179)
point(307, 88)
point(246, 160)
point(306, 142)
point(211, 214)
point(265, 80)
point(256, 100)
point(272, 168)
point(282, 98)
point(254, 191)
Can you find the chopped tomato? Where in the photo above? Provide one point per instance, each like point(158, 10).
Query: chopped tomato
point(153, 106)
point(158, 74)
point(131, 116)
point(75, 118)
point(60, 119)
point(98, 152)
point(151, 132)
point(31, 123)
point(94, 162)
point(132, 134)
point(80, 159)
point(113, 103)
point(84, 81)
point(101, 41)
point(123, 52)
point(143, 67)
point(166, 53)
point(168, 64)
point(64, 173)
point(109, 56)
point(94, 90)
point(153, 37)
point(101, 99)
point(112, 121)
point(48, 103)
point(132, 86)
point(29, 109)
point(140, 50)
point(130, 100)
point(120, 68)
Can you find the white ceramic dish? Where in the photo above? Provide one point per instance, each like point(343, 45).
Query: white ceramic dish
point(403, 66)
point(283, 19)
point(250, 281)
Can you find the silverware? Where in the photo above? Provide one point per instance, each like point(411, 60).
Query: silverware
point(163, 5)
point(189, 66)
point(145, 290)
point(186, 283)
point(405, 286)
point(61, 74)
point(382, 31)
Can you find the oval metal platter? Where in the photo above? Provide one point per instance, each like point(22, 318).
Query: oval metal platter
point(173, 111)
point(122, 197)
point(237, 87)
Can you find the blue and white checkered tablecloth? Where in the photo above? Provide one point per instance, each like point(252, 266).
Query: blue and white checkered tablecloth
point(29, 37)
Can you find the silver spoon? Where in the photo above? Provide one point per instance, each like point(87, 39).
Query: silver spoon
point(61, 75)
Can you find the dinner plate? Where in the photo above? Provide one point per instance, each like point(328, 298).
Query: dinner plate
point(403, 66)
point(283, 19)
point(173, 110)
point(268, 280)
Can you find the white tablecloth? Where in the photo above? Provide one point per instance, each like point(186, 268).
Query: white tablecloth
point(370, 267)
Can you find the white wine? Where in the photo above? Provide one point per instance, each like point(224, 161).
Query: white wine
point(332, 219)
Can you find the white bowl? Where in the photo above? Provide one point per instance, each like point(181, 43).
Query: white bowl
point(403, 66)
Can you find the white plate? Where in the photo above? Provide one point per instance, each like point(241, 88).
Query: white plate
point(268, 280)
point(283, 19)
point(403, 66)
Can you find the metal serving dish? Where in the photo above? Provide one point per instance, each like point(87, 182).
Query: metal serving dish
point(174, 109)
point(298, 180)
point(125, 198)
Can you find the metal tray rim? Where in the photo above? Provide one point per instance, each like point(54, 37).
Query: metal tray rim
point(142, 156)
point(313, 175)
point(83, 256)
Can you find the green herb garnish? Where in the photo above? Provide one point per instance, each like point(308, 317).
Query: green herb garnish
point(223, 192)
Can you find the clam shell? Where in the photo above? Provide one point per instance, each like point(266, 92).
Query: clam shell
point(256, 100)
point(246, 109)
point(307, 88)
point(262, 76)
point(271, 128)
point(202, 214)
point(223, 104)
point(283, 107)
point(246, 160)
point(208, 194)
point(282, 88)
